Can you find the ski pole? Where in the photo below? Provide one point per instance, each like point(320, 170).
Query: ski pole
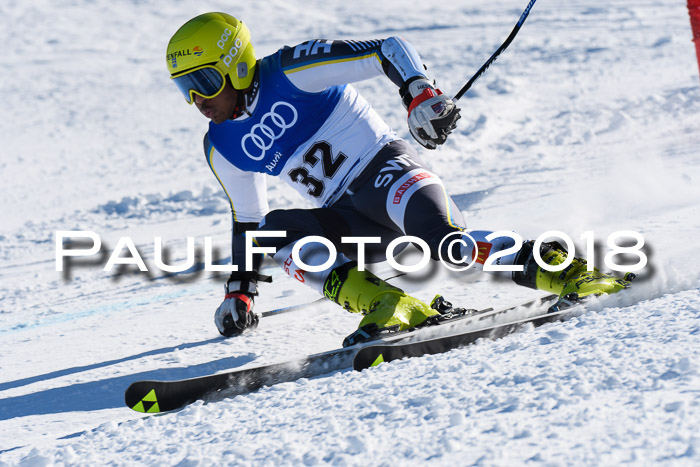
point(287, 309)
point(498, 51)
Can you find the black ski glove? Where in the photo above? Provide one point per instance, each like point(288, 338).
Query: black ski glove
point(431, 114)
point(235, 314)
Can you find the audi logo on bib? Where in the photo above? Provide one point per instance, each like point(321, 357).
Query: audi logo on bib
point(271, 128)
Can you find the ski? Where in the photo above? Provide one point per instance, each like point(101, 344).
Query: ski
point(164, 396)
point(490, 325)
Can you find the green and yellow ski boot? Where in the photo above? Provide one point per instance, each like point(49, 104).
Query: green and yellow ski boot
point(386, 308)
point(573, 282)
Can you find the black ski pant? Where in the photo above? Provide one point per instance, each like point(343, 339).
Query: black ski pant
point(396, 195)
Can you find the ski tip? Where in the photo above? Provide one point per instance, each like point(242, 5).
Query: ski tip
point(138, 401)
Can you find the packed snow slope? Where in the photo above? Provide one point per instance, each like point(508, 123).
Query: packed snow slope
point(588, 122)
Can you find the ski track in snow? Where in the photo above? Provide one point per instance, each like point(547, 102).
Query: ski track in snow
point(588, 122)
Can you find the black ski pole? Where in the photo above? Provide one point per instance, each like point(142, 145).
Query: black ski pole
point(498, 51)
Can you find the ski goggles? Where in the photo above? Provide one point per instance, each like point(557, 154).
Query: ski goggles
point(206, 81)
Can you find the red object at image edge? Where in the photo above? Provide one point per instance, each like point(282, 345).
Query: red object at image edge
point(694, 12)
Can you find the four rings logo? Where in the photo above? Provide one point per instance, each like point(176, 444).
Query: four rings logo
point(271, 127)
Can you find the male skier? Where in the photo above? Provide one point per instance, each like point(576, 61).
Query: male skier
point(293, 114)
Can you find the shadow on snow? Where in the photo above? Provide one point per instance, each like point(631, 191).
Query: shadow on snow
point(105, 393)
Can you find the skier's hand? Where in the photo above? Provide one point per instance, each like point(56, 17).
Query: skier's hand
point(431, 114)
point(235, 314)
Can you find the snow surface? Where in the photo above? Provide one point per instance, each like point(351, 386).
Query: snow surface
point(588, 122)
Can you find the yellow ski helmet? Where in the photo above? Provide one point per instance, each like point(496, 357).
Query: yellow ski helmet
point(207, 49)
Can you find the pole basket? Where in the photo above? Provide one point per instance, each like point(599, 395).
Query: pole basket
point(694, 12)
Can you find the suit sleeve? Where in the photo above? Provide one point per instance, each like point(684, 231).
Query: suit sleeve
point(246, 191)
point(247, 194)
point(315, 65)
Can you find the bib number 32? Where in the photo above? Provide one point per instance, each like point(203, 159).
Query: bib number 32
point(319, 152)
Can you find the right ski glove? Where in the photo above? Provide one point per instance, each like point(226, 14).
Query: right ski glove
point(431, 114)
point(235, 313)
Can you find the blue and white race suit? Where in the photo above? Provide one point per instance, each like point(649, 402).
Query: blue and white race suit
point(308, 125)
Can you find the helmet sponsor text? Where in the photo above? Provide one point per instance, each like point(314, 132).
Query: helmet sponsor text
point(235, 48)
point(224, 38)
